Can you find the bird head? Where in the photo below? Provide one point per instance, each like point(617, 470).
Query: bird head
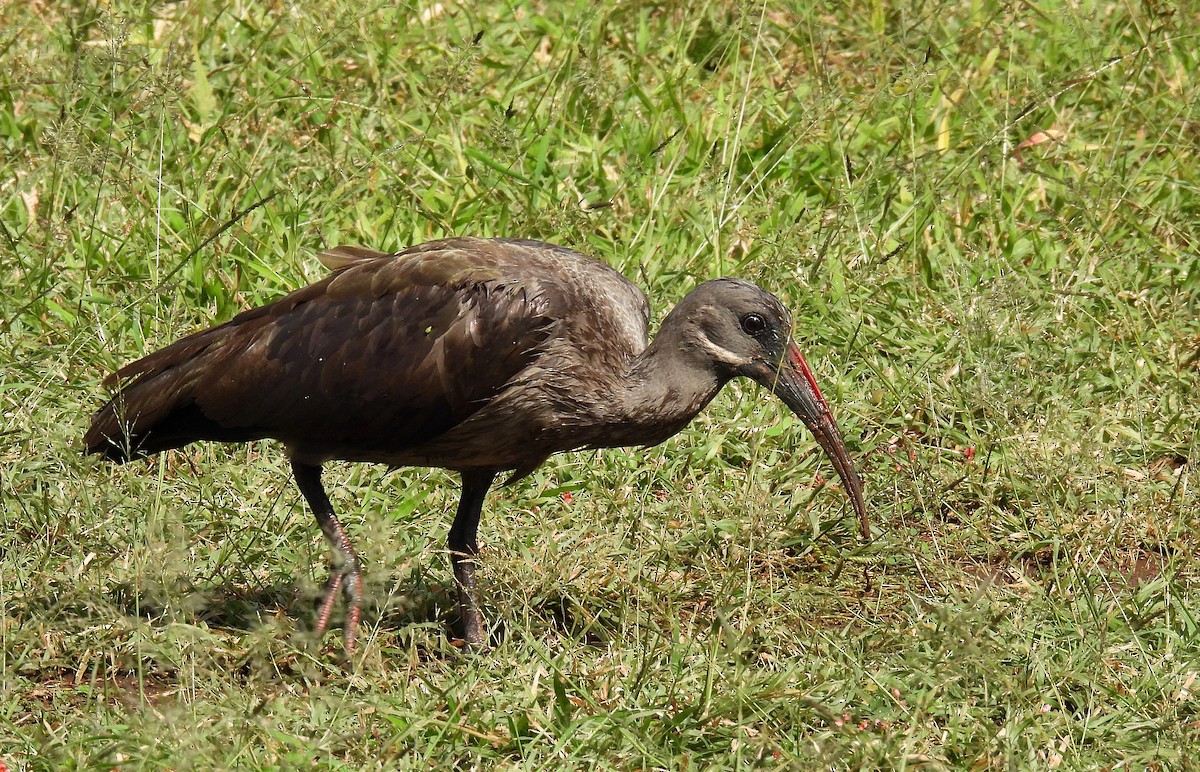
point(746, 331)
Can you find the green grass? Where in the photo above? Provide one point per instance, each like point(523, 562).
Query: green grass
point(1008, 337)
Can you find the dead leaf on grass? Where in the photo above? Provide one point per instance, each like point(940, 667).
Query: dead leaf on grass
point(1039, 138)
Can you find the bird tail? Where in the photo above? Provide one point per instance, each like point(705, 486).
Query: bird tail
point(154, 408)
point(142, 419)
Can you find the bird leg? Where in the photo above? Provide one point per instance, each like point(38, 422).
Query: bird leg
point(345, 571)
point(463, 549)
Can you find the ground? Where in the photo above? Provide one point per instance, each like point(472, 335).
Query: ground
point(983, 215)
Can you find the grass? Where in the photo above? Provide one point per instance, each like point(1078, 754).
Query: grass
point(984, 216)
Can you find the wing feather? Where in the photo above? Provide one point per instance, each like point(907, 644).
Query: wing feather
point(382, 355)
point(388, 370)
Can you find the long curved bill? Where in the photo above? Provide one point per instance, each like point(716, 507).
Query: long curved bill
point(793, 382)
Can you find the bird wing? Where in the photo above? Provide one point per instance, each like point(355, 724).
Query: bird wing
point(341, 257)
point(386, 353)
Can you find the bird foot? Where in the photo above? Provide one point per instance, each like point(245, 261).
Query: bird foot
point(469, 647)
point(474, 631)
point(348, 580)
point(474, 638)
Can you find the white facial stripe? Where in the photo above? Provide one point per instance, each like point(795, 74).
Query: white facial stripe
point(722, 354)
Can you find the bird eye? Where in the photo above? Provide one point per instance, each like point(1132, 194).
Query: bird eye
point(753, 324)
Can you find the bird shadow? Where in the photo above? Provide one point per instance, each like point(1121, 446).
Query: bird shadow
point(241, 609)
point(572, 620)
point(387, 607)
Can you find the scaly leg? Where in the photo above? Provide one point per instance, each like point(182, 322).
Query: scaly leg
point(345, 573)
point(463, 549)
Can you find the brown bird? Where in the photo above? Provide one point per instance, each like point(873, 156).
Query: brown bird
point(477, 355)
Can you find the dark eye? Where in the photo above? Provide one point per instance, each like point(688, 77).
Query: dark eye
point(753, 324)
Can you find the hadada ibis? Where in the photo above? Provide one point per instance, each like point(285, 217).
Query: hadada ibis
point(482, 356)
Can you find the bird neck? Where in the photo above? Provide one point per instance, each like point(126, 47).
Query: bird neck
point(664, 389)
